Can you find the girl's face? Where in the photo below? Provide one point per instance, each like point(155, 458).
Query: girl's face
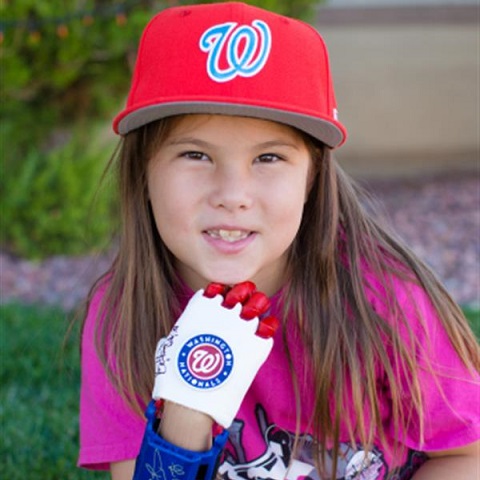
point(227, 195)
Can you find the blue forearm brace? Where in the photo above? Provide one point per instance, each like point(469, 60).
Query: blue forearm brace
point(160, 459)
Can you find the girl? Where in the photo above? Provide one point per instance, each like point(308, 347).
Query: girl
point(226, 175)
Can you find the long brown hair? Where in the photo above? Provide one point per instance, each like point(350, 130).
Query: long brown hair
point(346, 341)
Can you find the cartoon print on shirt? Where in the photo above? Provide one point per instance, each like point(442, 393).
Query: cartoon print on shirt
point(414, 462)
point(274, 462)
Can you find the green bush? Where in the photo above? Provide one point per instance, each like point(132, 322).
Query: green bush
point(53, 203)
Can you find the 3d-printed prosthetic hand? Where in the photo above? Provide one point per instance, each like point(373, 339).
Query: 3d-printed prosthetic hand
point(207, 363)
point(214, 351)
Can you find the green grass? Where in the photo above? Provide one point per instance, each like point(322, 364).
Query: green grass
point(39, 393)
point(39, 396)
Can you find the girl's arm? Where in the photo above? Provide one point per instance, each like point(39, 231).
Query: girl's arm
point(458, 463)
point(186, 428)
point(122, 470)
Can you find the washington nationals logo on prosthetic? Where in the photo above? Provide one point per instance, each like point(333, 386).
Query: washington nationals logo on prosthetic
point(205, 361)
point(236, 50)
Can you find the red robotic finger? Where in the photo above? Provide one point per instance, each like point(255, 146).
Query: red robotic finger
point(213, 289)
point(239, 293)
point(256, 305)
point(267, 327)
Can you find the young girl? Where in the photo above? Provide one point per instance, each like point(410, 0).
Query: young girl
point(228, 185)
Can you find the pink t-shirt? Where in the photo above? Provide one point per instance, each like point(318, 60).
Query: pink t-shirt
point(262, 436)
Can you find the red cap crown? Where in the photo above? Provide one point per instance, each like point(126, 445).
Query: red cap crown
point(233, 59)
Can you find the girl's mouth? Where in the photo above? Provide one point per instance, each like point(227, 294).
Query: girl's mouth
point(230, 236)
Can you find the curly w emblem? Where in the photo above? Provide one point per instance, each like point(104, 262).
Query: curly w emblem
point(236, 50)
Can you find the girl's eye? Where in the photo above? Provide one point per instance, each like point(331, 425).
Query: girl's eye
point(195, 156)
point(268, 158)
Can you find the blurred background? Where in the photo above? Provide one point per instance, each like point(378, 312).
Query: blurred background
point(407, 81)
point(407, 84)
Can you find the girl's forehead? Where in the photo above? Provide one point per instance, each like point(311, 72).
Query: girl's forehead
point(217, 125)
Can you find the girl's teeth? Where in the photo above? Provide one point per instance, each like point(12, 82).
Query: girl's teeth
point(229, 235)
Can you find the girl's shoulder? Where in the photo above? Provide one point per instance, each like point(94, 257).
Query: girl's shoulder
point(398, 297)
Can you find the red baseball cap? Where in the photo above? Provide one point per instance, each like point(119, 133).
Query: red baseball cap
point(233, 59)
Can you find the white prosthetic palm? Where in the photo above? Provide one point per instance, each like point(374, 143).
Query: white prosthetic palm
point(212, 354)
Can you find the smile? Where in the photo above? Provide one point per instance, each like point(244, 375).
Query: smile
point(230, 236)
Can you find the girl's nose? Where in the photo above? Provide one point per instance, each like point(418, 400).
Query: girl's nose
point(232, 188)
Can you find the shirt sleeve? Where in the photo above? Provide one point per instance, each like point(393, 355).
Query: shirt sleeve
point(109, 430)
point(450, 391)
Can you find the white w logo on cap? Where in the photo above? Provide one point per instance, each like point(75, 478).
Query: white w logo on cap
point(245, 48)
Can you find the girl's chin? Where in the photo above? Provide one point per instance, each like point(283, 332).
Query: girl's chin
point(266, 281)
point(230, 276)
point(200, 278)
point(201, 282)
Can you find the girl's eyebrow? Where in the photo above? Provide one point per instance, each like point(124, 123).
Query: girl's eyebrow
point(277, 143)
point(188, 141)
